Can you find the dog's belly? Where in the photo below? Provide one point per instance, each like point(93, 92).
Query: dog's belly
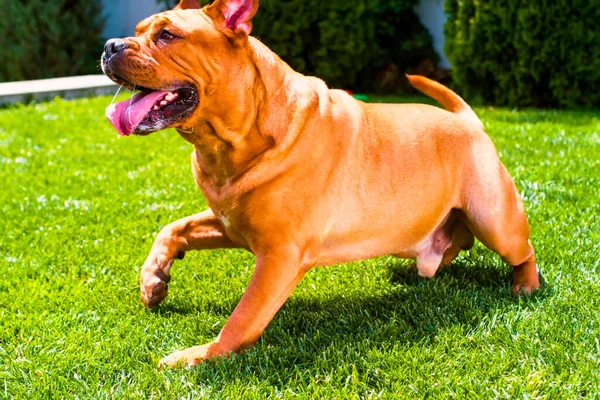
point(393, 207)
point(405, 243)
point(398, 224)
point(362, 250)
point(397, 187)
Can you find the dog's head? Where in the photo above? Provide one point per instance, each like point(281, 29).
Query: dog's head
point(177, 59)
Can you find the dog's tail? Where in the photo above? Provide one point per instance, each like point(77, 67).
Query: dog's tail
point(446, 97)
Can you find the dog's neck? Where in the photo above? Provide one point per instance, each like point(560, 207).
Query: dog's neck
point(248, 122)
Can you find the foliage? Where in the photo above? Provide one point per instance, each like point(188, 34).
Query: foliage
point(81, 206)
point(344, 42)
point(526, 53)
point(45, 39)
point(401, 40)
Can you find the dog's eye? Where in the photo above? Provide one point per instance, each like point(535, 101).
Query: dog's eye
point(166, 35)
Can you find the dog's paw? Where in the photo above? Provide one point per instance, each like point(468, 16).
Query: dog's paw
point(189, 357)
point(154, 278)
point(520, 289)
point(154, 281)
point(526, 284)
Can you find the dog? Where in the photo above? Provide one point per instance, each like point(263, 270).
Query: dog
point(301, 175)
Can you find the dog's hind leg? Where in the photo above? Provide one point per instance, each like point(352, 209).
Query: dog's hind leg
point(444, 244)
point(497, 218)
point(462, 239)
point(431, 252)
point(197, 232)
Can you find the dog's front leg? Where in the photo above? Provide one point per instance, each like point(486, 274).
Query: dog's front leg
point(196, 232)
point(275, 277)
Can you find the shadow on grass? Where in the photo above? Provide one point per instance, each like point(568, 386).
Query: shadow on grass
point(408, 311)
point(461, 278)
point(461, 294)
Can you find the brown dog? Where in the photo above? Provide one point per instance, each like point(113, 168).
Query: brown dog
point(301, 175)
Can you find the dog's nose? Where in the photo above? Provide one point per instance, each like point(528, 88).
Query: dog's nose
point(114, 46)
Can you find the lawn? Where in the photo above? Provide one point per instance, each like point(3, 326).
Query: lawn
point(80, 207)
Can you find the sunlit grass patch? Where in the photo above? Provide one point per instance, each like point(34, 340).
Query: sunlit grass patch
point(80, 207)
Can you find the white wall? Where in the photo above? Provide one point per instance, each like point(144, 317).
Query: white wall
point(432, 16)
point(123, 15)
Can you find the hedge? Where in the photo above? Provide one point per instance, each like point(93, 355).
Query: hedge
point(44, 39)
point(526, 53)
point(346, 42)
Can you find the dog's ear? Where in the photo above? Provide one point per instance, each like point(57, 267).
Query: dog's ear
point(187, 4)
point(233, 15)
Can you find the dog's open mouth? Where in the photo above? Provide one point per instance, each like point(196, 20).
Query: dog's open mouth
point(152, 110)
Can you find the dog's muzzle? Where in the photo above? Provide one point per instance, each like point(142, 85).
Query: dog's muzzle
point(112, 47)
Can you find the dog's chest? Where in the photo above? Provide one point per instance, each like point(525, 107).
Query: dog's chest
point(231, 226)
point(224, 221)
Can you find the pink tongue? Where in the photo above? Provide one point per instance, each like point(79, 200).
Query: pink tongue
point(127, 115)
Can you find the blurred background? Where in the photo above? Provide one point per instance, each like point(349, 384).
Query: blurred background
point(536, 53)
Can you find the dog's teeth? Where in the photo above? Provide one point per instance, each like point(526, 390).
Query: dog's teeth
point(164, 103)
point(170, 96)
point(154, 108)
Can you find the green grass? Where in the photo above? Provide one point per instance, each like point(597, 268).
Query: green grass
point(80, 207)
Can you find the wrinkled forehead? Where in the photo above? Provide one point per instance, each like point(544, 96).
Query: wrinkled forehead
point(153, 22)
point(184, 19)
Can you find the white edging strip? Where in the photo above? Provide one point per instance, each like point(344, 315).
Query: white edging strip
point(44, 89)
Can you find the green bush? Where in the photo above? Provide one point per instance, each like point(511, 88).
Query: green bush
point(526, 53)
point(46, 39)
point(345, 42)
point(333, 40)
point(401, 40)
